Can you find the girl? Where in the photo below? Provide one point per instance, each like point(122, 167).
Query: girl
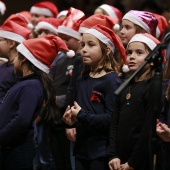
point(24, 101)
point(130, 131)
point(134, 22)
point(91, 113)
point(11, 34)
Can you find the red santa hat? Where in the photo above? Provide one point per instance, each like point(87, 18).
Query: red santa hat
point(71, 23)
point(50, 24)
point(19, 19)
point(108, 37)
point(149, 40)
point(162, 25)
point(13, 31)
point(112, 12)
point(2, 8)
point(45, 8)
point(144, 19)
point(98, 19)
point(35, 50)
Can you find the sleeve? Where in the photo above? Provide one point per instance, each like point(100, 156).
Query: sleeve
point(19, 124)
point(113, 131)
point(100, 122)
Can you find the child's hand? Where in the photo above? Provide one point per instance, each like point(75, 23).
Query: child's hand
point(75, 109)
point(163, 131)
point(125, 167)
point(71, 134)
point(114, 164)
point(67, 117)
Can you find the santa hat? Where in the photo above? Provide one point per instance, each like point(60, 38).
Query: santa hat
point(35, 50)
point(19, 19)
point(14, 31)
point(62, 13)
point(71, 23)
point(98, 19)
point(108, 37)
point(149, 40)
point(2, 8)
point(144, 19)
point(112, 12)
point(50, 24)
point(45, 8)
point(162, 25)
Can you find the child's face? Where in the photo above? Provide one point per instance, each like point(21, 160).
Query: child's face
point(136, 54)
point(127, 32)
point(43, 33)
point(91, 50)
point(4, 48)
point(72, 43)
point(35, 18)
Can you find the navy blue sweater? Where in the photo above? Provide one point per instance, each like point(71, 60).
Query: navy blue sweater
point(18, 110)
point(96, 98)
point(7, 78)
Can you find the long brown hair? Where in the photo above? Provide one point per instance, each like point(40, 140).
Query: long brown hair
point(166, 75)
point(50, 108)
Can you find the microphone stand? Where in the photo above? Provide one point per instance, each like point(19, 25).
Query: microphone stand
point(156, 91)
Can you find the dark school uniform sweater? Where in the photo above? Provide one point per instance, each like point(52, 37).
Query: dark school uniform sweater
point(96, 98)
point(7, 78)
point(18, 110)
point(131, 127)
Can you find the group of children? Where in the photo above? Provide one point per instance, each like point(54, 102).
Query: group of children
point(58, 85)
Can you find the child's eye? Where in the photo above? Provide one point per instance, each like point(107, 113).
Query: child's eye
point(128, 52)
point(91, 44)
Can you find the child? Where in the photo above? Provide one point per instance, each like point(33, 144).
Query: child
point(43, 9)
point(131, 127)
point(134, 22)
point(11, 34)
point(92, 111)
point(24, 101)
point(111, 11)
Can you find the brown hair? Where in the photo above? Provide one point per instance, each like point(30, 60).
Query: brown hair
point(139, 29)
point(107, 63)
point(166, 75)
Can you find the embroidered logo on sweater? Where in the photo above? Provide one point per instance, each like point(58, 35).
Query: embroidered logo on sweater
point(95, 96)
point(69, 70)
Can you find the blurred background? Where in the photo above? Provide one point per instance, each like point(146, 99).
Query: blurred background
point(88, 6)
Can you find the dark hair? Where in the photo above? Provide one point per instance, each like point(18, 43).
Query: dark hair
point(166, 75)
point(50, 109)
point(107, 63)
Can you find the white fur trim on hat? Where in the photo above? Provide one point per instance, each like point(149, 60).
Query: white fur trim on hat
point(3, 59)
point(83, 29)
point(109, 10)
point(62, 13)
point(25, 52)
point(41, 11)
point(134, 19)
point(158, 32)
point(69, 31)
point(101, 37)
point(11, 36)
point(2, 8)
point(45, 26)
point(141, 38)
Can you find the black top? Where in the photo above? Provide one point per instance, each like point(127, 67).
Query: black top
point(131, 127)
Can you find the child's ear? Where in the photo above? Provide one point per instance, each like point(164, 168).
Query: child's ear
point(108, 50)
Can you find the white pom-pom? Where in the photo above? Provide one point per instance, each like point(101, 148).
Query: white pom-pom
point(70, 53)
point(116, 27)
point(125, 68)
point(30, 26)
